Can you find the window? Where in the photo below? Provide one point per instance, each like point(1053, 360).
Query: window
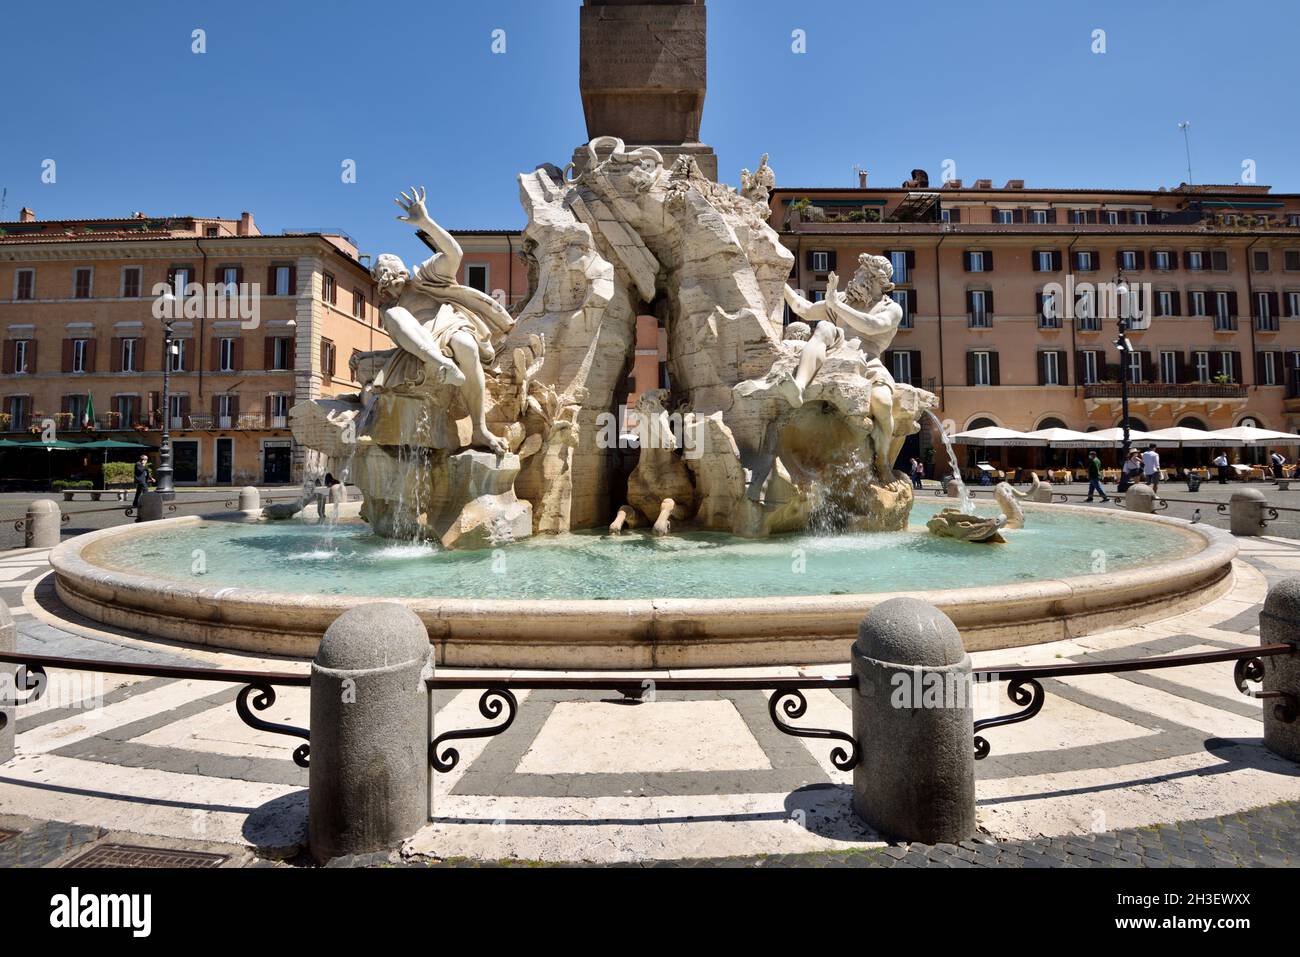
point(1004, 216)
point(1202, 362)
point(180, 278)
point(19, 408)
point(80, 352)
point(358, 304)
point(1085, 311)
point(902, 366)
point(1112, 218)
point(127, 408)
point(226, 360)
point(1169, 368)
point(945, 215)
point(1051, 368)
point(1128, 260)
point(1045, 260)
point(128, 355)
point(1164, 260)
point(178, 355)
point(25, 284)
point(1260, 259)
point(1266, 311)
point(1088, 367)
point(979, 261)
point(1085, 260)
point(819, 295)
point(280, 281)
point(982, 365)
point(281, 353)
point(1139, 217)
point(81, 283)
point(1293, 304)
point(1038, 217)
point(1078, 217)
point(1227, 365)
point(1049, 312)
point(898, 259)
point(1219, 260)
point(329, 290)
point(327, 356)
point(211, 232)
point(821, 261)
point(904, 298)
point(476, 276)
point(227, 411)
point(1293, 219)
point(1135, 365)
point(1196, 303)
point(1165, 303)
point(176, 411)
point(1225, 319)
point(131, 282)
point(22, 349)
point(1290, 261)
point(1267, 369)
point(229, 280)
point(279, 411)
point(75, 406)
point(1195, 259)
point(980, 309)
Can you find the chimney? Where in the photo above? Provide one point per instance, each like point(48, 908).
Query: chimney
point(26, 215)
point(952, 184)
point(983, 184)
point(246, 227)
point(862, 179)
point(1015, 184)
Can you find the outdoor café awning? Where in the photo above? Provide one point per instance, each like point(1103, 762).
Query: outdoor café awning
point(1063, 438)
point(1181, 437)
point(996, 436)
point(1245, 435)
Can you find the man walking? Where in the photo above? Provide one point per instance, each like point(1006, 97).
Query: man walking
point(141, 479)
point(1151, 468)
point(1278, 460)
point(1221, 463)
point(1094, 478)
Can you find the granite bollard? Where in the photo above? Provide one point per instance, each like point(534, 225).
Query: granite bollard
point(150, 508)
point(44, 524)
point(250, 500)
point(369, 773)
point(1279, 623)
point(1140, 498)
point(914, 719)
point(1246, 512)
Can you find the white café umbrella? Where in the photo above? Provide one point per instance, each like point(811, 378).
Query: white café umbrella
point(1109, 438)
point(995, 435)
point(1247, 435)
point(1181, 437)
point(1062, 438)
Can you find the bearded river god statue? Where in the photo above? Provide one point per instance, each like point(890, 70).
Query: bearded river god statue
point(481, 426)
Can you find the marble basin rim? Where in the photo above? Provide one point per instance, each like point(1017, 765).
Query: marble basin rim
point(651, 633)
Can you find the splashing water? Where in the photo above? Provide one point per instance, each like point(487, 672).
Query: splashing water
point(838, 495)
point(963, 493)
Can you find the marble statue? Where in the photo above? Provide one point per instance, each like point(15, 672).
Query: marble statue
point(444, 329)
point(954, 523)
point(1005, 495)
point(484, 425)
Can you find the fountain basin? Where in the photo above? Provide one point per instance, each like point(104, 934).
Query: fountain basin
point(95, 576)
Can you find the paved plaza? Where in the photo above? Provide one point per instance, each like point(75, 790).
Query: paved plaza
point(1119, 769)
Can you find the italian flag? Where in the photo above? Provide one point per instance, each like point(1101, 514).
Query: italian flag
point(88, 413)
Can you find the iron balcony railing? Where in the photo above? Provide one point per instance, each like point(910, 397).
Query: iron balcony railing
point(1157, 390)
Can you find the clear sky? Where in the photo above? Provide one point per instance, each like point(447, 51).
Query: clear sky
point(413, 93)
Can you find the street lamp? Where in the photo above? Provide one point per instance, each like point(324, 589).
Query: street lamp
point(163, 483)
point(1125, 350)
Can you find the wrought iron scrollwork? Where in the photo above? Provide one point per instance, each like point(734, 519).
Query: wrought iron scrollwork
point(1285, 709)
point(265, 698)
point(1026, 692)
point(1272, 517)
point(128, 511)
point(1222, 508)
point(792, 702)
point(1163, 506)
point(27, 678)
point(491, 704)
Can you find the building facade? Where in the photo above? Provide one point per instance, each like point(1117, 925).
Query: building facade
point(267, 321)
point(1008, 318)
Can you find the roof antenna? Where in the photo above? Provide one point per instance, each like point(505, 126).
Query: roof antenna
point(1184, 126)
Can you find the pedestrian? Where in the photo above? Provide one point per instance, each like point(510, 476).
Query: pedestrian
point(1278, 460)
point(1094, 478)
point(918, 473)
point(142, 479)
point(1221, 463)
point(1151, 468)
point(1129, 470)
point(323, 492)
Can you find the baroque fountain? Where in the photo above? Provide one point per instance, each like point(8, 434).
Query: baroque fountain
point(754, 519)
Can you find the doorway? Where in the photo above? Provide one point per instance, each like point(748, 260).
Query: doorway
point(225, 461)
point(277, 464)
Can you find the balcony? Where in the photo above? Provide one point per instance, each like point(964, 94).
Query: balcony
point(1191, 392)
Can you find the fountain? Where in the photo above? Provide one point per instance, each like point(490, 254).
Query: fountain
point(762, 517)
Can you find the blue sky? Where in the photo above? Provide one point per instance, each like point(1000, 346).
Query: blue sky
point(411, 90)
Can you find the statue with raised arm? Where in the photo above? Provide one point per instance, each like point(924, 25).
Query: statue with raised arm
point(444, 329)
point(864, 310)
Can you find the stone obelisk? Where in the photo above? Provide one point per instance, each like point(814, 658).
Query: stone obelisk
point(643, 75)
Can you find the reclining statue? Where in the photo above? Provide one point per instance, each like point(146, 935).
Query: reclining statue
point(444, 329)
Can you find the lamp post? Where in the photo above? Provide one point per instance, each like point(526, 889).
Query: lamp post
point(1125, 350)
point(163, 482)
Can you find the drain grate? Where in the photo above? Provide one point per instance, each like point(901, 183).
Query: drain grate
point(5, 835)
point(133, 855)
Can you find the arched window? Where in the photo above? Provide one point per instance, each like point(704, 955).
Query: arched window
point(1134, 425)
point(981, 423)
point(1051, 422)
point(1191, 422)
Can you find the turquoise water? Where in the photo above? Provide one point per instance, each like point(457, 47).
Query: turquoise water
point(348, 560)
